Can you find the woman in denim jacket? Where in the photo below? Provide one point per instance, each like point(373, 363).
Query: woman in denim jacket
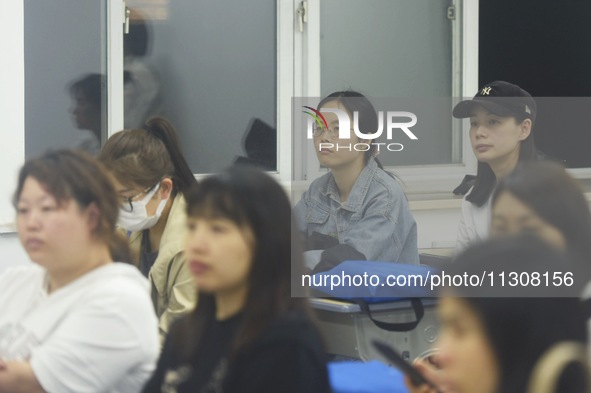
point(357, 210)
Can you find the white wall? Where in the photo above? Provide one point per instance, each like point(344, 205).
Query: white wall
point(11, 105)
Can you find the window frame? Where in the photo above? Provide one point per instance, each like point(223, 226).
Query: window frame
point(285, 81)
point(115, 24)
point(12, 109)
point(298, 75)
point(416, 178)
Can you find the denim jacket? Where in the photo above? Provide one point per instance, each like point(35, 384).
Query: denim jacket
point(375, 220)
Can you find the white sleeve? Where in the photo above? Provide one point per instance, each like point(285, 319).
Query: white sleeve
point(466, 228)
point(13, 273)
point(98, 345)
point(16, 284)
point(312, 258)
point(5, 281)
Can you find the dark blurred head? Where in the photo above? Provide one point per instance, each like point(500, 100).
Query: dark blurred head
point(507, 335)
point(87, 97)
point(542, 198)
point(137, 41)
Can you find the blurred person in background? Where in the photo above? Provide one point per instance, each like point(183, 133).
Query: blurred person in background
point(87, 112)
point(490, 344)
point(248, 334)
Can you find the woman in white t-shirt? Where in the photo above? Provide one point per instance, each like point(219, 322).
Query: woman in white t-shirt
point(74, 321)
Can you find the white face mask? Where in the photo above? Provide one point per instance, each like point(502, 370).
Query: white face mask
point(137, 219)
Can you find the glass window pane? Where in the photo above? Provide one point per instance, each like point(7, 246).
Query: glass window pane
point(65, 86)
point(213, 74)
point(548, 56)
point(392, 48)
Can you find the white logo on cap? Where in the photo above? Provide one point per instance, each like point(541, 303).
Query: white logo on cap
point(527, 110)
point(486, 90)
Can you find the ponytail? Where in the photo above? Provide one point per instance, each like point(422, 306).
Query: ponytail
point(163, 130)
point(144, 156)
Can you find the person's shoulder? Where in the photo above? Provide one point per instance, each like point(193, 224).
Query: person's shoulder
point(29, 269)
point(180, 325)
point(18, 282)
point(172, 242)
point(118, 281)
point(320, 183)
point(384, 190)
point(179, 205)
point(292, 332)
point(472, 208)
point(15, 276)
point(120, 293)
point(467, 194)
point(175, 225)
point(293, 327)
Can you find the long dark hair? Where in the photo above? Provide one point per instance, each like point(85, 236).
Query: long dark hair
point(253, 200)
point(521, 329)
point(556, 197)
point(75, 175)
point(144, 156)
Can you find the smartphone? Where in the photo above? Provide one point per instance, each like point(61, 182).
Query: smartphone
point(415, 377)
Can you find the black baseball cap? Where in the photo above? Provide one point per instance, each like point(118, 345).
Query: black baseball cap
point(500, 98)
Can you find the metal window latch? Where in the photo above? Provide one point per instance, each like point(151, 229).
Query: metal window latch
point(302, 15)
point(126, 13)
point(451, 12)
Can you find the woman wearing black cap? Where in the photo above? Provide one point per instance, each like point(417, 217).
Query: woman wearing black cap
point(501, 121)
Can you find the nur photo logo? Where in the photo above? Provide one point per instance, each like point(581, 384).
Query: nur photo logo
point(339, 131)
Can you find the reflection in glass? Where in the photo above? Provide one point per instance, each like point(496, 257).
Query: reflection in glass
point(216, 68)
point(393, 48)
point(65, 96)
point(141, 84)
point(87, 113)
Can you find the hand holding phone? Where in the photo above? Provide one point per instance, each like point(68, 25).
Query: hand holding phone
point(416, 378)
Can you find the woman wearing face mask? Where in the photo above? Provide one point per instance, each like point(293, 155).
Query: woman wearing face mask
point(490, 344)
point(501, 121)
point(151, 178)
